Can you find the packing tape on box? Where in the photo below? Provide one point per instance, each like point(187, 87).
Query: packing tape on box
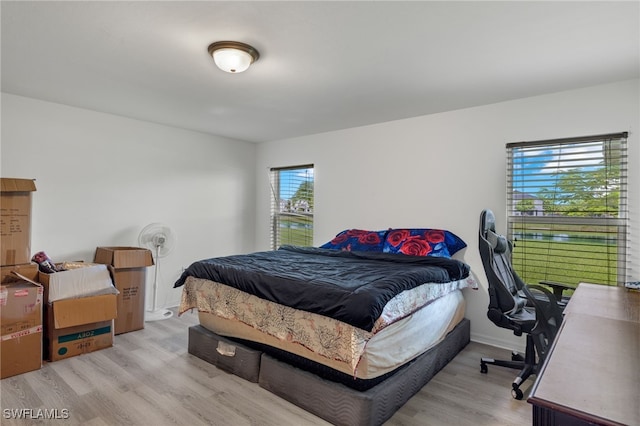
point(21, 333)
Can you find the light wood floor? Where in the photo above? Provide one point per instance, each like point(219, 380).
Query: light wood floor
point(149, 378)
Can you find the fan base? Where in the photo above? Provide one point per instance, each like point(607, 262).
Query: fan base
point(158, 315)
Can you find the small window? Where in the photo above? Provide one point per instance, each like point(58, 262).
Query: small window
point(567, 209)
point(292, 206)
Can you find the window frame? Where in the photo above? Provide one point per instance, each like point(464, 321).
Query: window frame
point(301, 213)
point(519, 223)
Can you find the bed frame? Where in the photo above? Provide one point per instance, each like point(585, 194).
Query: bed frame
point(334, 402)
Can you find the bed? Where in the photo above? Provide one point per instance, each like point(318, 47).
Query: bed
point(365, 322)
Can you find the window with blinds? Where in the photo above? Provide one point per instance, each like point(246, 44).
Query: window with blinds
point(567, 209)
point(292, 206)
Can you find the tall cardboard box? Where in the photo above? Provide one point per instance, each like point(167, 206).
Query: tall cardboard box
point(21, 328)
point(129, 275)
point(15, 220)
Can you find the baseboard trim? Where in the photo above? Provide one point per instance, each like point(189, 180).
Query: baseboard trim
point(508, 344)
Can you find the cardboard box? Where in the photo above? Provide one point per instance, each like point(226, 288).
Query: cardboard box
point(21, 328)
point(124, 257)
point(129, 275)
point(28, 270)
point(78, 326)
point(82, 281)
point(82, 339)
point(15, 220)
point(82, 310)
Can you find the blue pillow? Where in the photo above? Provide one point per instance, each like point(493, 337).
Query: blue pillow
point(423, 242)
point(357, 240)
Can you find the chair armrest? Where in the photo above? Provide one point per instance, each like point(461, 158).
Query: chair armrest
point(558, 288)
point(548, 316)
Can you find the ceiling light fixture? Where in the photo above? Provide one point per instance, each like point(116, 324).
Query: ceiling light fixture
point(233, 56)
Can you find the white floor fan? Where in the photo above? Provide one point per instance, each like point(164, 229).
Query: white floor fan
point(160, 239)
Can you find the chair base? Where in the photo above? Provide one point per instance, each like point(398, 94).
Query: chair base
point(527, 366)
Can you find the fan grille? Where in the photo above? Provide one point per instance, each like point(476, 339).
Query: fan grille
point(157, 237)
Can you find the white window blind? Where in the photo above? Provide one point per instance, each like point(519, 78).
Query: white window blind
point(567, 209)
point(292, 206)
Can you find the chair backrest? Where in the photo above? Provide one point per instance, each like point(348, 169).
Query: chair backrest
point(495, 252)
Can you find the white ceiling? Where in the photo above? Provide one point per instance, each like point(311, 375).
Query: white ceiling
point(323, 66)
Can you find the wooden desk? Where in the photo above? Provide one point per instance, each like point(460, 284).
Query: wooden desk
point(592, 373)
point(604, 301)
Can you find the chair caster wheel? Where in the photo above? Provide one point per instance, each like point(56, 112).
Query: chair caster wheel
point(483, 368)
point(517, 393)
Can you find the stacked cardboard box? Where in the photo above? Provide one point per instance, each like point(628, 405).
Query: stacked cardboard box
point(81, 322)
point(20, 301)
point(21, 325)
point(129, 266)
point(10, 274)
point(15, 203)
point(72, 312)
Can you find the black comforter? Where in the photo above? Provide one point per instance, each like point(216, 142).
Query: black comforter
point(352, 287)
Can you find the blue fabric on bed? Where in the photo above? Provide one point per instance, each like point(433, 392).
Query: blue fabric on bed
point(357, 240)
point(407, 241)
point(423, 242)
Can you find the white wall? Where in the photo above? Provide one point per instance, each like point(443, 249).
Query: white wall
point(441, 170)
point(101, 178)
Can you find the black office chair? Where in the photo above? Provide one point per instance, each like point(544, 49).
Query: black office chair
point(514, 305)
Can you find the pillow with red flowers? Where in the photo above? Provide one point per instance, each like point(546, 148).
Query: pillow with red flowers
point(357, 240)
point(422, 242)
